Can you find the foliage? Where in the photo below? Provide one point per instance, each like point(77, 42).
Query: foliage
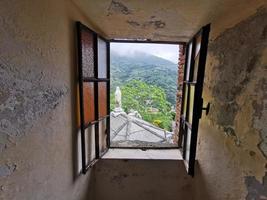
point(139, 96)
point(146, 68)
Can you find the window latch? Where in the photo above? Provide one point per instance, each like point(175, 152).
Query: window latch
point(201, 108)
point(207, 108)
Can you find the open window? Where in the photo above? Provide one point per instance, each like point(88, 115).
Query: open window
point(192, 103)
point(94, 95)
point(143, 87)
point(93, 59)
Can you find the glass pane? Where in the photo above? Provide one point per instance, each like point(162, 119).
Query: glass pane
point(188, 62)
point(196, 68)
point(188, 144)
point(102, 58)
point(191, 103)
point(185, 100)
point(198, 45)
point(90, 144)
point(102, 99)
point(102, 136)
point(87, 45)
point(88, 102)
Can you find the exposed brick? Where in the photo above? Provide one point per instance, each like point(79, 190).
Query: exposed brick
point(179, 94)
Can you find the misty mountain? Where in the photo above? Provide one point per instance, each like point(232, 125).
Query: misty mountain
point(147, 68)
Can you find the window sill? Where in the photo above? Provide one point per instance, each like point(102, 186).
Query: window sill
point(150, 154)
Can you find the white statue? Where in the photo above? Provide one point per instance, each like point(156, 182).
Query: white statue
point(118, 100)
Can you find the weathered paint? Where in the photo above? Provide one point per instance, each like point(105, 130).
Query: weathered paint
point(7, 170)
point(38, 52)
point(235, 85)
point(38, 116)
point(24, 100)
point(256, 190)
point(164, 20)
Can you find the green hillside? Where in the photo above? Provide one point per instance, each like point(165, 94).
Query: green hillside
point(147, 68)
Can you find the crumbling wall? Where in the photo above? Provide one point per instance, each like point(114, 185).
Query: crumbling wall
point(236, 87)
point(38, 116)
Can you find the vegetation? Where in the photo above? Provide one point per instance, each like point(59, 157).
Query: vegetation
point(148, 85)
point(147, 68)
point(142, 97)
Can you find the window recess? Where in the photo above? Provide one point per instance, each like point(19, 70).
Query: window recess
point(94, 95)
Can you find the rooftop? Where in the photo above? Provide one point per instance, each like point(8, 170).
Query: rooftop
point(129, 130)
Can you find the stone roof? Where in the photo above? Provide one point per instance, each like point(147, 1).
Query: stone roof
point(131, 131)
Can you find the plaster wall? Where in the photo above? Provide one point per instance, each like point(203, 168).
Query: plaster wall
point(231, 149)
point(38, 122)
point(147, 179)
point(169, 20)
point(232, 141)
point(38, 125)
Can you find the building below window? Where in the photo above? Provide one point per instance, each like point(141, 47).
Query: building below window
point(130, 130)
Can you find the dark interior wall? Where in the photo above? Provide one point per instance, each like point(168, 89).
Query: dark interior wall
point(38, 118)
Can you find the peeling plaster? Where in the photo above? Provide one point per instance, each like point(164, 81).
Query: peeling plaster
point(23, 101)
point(256, 190)
point(133, 23)
point(7, 170)
point(260, 114)
point(118, 7)
point(238, 52)
point(155, 24)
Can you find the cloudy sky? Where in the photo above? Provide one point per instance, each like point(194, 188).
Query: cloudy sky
point(166, 51)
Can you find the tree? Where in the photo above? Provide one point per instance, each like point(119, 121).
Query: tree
point(141, 97)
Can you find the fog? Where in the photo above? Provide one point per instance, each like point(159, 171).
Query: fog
point(166, 51)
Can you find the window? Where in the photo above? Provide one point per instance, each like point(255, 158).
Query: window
point(192, 103)
point(94, 95)
point(143, 92)
point(93, 58)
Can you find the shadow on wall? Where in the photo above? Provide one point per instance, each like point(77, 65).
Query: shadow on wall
point(89, 178)
point(74, 104)
point(147, 179)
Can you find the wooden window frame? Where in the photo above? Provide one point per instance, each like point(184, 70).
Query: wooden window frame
point(95, 80)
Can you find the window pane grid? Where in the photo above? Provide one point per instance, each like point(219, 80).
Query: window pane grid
point(93, 69)
point(193, 87)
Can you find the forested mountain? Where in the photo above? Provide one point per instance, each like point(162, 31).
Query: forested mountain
point(146, 68)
